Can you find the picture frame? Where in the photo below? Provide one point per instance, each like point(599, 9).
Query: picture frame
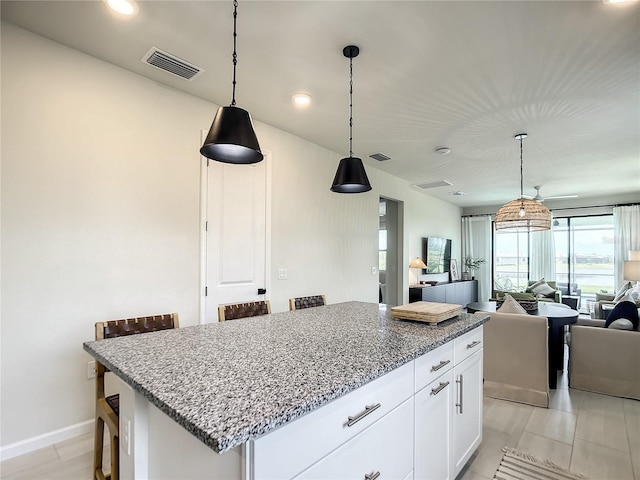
point(454, 271)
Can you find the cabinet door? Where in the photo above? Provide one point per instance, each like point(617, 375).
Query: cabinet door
point(435, 293)
point(433, 430)
point(467, 410)
point(384, 451)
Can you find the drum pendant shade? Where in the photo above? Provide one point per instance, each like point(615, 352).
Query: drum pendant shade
point(351, 177)
point(231, 138)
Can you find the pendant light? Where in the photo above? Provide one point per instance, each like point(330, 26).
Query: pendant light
point(231, 138)
point(351, 176)
point(523, 214)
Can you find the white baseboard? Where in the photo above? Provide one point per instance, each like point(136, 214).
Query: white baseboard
point(44, 440)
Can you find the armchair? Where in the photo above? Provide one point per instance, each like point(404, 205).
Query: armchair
point(604, 360)
point(516, 358)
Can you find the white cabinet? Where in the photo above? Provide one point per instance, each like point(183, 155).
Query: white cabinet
point(448, 413)
point(433, 429)
point(467, 410)
point(384, 451)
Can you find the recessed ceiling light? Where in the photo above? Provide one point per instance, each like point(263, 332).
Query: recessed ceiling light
point(123, 7)
point(301, 99)
point(443, 150)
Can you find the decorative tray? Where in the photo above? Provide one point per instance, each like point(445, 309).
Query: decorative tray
point(429, 312)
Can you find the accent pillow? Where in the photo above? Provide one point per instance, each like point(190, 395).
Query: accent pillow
point(620, 293)
point(625, 309)
point(510, 305)
point(535, 284)
point(543, 289)
point(621, 324)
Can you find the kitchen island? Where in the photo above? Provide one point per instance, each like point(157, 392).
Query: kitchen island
point(262, 391)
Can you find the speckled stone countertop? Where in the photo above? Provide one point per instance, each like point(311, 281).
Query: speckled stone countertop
point(231, 382)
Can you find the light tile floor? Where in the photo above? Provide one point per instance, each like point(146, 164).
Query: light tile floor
point(593, 434)
point(596, 435)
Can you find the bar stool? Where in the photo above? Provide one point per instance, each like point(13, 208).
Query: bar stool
point(243, 310)
point(299, 303)
point(108, 407)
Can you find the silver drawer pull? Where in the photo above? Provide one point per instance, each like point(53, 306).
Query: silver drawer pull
point(442, 363)
point(473, 344)
point(439, 388)
point(371, 476)
point(367, 410)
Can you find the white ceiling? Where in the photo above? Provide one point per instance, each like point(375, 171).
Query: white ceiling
point(465, 75)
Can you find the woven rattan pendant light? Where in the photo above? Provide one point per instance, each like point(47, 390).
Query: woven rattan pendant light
point(231, 138)
point(351, 176)
point(523, 214)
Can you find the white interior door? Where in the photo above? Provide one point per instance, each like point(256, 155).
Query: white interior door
point(236, 235)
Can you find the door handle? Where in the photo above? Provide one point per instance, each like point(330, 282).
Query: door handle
point(262, 291)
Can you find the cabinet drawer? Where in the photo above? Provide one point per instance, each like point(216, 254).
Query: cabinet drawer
point(467, 344)
point(288, 450)
point(385, 448)
point(433, 364)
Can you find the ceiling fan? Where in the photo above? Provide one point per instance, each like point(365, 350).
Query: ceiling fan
point(540, 198)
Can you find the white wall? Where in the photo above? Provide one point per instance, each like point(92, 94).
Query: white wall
point(100, 218)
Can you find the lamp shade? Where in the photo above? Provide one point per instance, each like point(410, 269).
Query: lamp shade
point(523, 214)
point(351, 177)
point(634, 255)
point(417, 263)
point(631, 270)
point(231, 138)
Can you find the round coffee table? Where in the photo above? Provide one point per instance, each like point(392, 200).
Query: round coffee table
point(557, 318)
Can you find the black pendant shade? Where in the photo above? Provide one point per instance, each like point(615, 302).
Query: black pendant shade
point(231, 138)
point(351, 177)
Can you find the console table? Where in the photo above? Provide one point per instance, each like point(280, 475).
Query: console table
point(459, 293)
point(557, 318)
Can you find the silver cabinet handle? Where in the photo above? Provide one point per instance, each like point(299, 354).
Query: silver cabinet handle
point(351, 421)
point(473, 344)
point(371, 476)
point(439, 388)
point(442, 363)
point(459, 382)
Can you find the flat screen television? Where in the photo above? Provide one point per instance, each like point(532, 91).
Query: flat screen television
point(437, 254)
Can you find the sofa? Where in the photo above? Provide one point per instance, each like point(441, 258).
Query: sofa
point(516, 358)
point(529, 295)
point(605, 360)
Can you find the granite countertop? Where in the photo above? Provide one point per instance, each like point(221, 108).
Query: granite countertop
point(231, 382)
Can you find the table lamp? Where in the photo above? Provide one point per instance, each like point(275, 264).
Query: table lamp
point(418, 263)
point(631, 269)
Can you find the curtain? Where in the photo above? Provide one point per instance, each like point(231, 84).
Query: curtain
point(542, 263)
point(476, 241)
point(626, 236)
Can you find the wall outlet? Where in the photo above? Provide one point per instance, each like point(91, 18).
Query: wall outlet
point(374, 270)
point(282, 274)
point(91, 369)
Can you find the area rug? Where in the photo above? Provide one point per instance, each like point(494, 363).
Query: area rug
point(517, 465)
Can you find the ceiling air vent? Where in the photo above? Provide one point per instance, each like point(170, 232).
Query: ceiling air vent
point(170, 63)
point(439, 183)
point(381, 157)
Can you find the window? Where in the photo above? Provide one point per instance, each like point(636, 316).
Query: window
point(584, 253)
point(511, 259)
point(382, 237)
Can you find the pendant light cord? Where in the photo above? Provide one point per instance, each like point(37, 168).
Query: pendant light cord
point(350, 106)
point(235, 55)
point(521, 189)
